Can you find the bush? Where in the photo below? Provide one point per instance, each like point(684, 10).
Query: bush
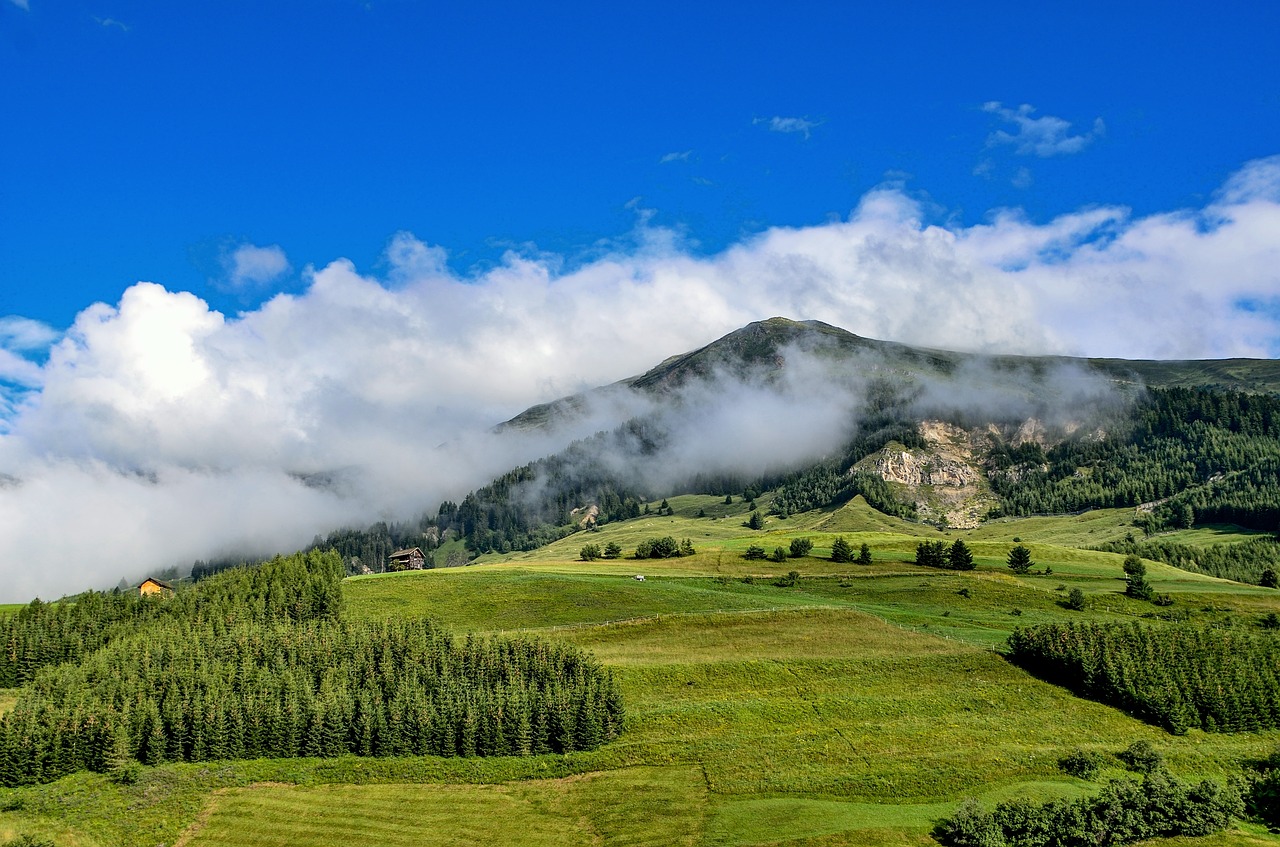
point(1263, 797)
point(779, 554)
point(612, 550)
point(1142, 756)
point(26, 840)
point(800, 547)
point(1121, 813)
point(590, 552)
point(127, 773)
point(788, 581)
point(663, 548)
point(1084, 764)
point(755, 551)
point(1076, 600)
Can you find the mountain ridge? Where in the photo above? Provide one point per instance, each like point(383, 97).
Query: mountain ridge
point(759, 345)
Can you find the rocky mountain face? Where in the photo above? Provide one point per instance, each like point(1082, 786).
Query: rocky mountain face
point(945, 479)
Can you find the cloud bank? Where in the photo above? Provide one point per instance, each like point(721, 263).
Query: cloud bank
point(156, 431)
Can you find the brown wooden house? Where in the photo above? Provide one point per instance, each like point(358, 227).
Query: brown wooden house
point(412, 559)
point(152, 586)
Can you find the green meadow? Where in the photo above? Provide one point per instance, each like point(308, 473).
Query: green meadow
point(856, 707)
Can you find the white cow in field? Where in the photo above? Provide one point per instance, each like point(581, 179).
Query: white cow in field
point(639, 577)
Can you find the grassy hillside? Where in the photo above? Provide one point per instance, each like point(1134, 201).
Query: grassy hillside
point(856, 707)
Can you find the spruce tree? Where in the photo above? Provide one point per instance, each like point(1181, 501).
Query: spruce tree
point(959, 557)
point(841, 551)
point(864, 554)
point(1019, 560)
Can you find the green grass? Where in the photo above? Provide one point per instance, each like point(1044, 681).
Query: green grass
point(854, 708)
point(8, 696)
point(1210, 534)
point(666, 806)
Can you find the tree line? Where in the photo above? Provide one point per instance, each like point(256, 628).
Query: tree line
point(1245, 561)
point(1178, 677)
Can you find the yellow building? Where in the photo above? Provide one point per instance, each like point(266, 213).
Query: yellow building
point(151, 586)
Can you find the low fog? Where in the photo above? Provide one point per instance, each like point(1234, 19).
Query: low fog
point(155, 431)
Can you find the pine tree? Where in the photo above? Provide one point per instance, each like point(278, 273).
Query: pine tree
point(841, 551)
point(1019, 560)
point(959, 558)
point(864, 554)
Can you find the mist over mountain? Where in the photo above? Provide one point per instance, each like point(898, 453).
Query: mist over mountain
point(821, 414)
point(765, 400)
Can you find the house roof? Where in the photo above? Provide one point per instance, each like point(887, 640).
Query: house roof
point(404, 554)
point(152, 579)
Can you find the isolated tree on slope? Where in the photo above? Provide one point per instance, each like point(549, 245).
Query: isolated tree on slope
point(1020, 559)
point(960, 558)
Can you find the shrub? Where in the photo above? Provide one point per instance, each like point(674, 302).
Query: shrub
point(661, 548)
point(1076, 600)
point(779, 554)
point(590, 552)
point(800, 547)
point(788, 581)
point(612, 550)
point(1084, 764)
point(755, 551)
point(1142, 756)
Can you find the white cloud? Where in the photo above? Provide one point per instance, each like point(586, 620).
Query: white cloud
point(21, 4)
point(112, 22)
point(681, 156)
point(1022, 178)
point(781, 124)
point(248, 265)
point(1044, 136)
point(159, 431)
point(18, 333)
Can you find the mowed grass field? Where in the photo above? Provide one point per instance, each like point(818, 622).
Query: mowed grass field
point(855, 708)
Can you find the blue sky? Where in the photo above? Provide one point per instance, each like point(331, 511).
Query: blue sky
point(244, 243)
point(147, 140)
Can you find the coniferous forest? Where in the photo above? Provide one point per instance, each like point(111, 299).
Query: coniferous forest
point(1178, 677)
point(1211, 456)
point(258, 662)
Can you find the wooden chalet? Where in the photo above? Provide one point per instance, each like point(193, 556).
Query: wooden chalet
point(412, 559)
point(152, 586)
